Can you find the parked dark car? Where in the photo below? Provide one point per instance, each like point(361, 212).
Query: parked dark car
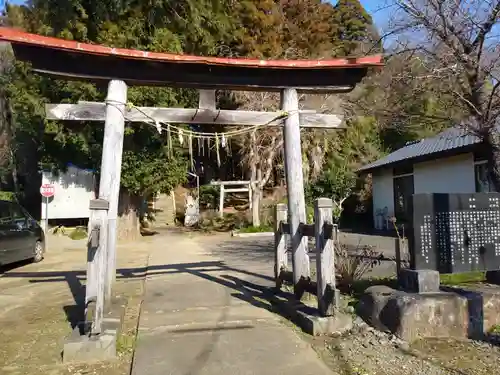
point(21, 237)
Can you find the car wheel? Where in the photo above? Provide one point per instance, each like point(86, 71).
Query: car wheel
point(38, 252)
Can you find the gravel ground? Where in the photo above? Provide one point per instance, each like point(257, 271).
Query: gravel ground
point(366, 351)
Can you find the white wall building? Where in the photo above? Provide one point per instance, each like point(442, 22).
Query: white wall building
point(450, 162)
point(73, 191)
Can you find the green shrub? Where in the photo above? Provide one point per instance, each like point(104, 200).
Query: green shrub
point(79, 233)
point(225, 224)
point(462, 278)
point(252, 229)
point(495, 330)
point(209, 196)
point(7, 196)
point(310, 214)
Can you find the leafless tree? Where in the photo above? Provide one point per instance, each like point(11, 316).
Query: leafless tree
point(457, 44)
point(262, 149)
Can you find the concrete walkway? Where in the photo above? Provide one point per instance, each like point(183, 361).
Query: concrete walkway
point(202, 315)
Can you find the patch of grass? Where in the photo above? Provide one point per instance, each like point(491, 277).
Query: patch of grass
point(462, 278)
point(78, 233)
point(495, 330)
point(223, 224)
point(260, 229)
point(125, 343)
point(7, 196)
point(359, 286)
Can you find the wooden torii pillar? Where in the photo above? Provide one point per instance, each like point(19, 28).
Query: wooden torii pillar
point(101, 253)
point(295, 190)
point(114, 114)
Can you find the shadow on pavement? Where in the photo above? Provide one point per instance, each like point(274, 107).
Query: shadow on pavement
point(76, 279)
point(254, 288)
point(12, 266)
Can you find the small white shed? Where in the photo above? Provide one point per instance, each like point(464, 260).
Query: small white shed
point(73, 191)
point(451, 162)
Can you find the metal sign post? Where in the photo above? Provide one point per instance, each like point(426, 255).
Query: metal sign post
point(47, 191)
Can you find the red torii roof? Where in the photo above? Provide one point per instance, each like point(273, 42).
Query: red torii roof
point(95, 62)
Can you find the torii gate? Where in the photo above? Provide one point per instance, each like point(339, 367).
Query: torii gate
point(74, 60)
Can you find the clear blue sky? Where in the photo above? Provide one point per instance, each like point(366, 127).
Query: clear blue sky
point(378, 9)
point(2, 2)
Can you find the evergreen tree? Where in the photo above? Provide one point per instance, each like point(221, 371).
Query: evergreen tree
point(307, 28)
point(168, 26)
point(260, 31)
point(352, 27)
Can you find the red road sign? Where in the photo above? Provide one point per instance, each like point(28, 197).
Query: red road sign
point(47, 190)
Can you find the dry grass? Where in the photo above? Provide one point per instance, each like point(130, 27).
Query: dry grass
point(36, 323)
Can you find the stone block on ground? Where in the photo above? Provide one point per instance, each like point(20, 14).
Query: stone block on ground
point(79, 347)
point(419, 281)
point(316, 325)
point(412, 316)
point(82, 348)
point(309, 320)
point(483, 302)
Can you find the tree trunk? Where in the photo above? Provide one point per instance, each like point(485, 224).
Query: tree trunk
point(15, 180)
point(254, 184)
point(128, 216)
point(256, 199)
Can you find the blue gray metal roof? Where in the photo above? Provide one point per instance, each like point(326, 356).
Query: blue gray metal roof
point(450, 139)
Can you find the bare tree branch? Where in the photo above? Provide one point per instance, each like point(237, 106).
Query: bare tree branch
point(462, 53)
point(486, 27)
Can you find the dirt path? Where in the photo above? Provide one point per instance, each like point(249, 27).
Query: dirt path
point(38, 302)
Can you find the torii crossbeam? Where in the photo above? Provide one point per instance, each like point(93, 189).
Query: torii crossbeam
point(75, 60)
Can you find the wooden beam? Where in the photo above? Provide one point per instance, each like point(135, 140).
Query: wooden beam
point(94, 111)
point(307, 230)
point(100, 78)
point(238, 190)
point(111, 166)
point(229, 182)
point(295, 189)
